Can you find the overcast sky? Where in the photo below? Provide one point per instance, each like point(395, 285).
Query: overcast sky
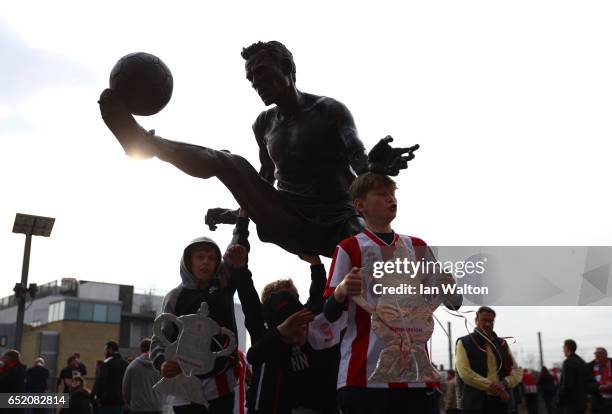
point(509, 101)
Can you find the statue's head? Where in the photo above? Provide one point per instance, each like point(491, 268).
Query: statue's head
point(270, 69)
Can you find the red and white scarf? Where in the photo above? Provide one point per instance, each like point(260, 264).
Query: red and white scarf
point(603, 378)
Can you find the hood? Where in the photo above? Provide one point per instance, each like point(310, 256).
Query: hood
point(188, 279)
point(144, 360)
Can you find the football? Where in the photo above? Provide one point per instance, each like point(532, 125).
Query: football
point(143, 81)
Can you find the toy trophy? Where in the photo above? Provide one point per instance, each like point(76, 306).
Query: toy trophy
point(192, 351)
point(403, 319)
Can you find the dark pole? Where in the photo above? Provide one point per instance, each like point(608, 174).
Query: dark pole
point(450, 347)
point(540, 346)
point(21, 295)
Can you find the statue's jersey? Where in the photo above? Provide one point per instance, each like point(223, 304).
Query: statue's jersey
point(310, 153)
point(311, 150)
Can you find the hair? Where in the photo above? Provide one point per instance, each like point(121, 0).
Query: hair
point(203, 245)
point(276, 286)
point(451, 372)
point(604, 350)
point(570, 344)
point(39, 360)
point(275, 50)
point(145, 345)
point(71, 358)
point(112, 345)
point(76, 354)
point(368, 182)
point(12, 354)
point(485, 309)
point(82, 381)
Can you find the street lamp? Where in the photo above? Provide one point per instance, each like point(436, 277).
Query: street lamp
point(30, 226)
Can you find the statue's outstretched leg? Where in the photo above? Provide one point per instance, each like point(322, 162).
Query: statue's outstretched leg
point(263, 202)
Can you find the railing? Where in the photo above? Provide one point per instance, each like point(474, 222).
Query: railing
point(64, 287)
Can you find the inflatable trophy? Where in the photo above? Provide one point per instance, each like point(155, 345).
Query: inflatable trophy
point(192, 351)
point(402, 319)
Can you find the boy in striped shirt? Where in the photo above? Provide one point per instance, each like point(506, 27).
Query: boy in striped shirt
point(374, 198)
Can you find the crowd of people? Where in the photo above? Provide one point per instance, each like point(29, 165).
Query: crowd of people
point(488, 380)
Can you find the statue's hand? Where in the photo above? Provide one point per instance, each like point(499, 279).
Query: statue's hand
point(218, 215)
point(135, 140)
point(384, 159)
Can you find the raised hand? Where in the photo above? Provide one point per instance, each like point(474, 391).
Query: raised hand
point(295, 328)
point(384, 159)
point(236, 256)
point(313, 259)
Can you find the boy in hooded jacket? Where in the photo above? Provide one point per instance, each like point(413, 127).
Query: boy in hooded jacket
point(208, 278)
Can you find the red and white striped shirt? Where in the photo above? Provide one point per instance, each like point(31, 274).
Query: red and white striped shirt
point(360, 347)
point(213, 387)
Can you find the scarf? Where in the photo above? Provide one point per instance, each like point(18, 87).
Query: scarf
point(605, 377)
point(500, 350)
point(7, 364)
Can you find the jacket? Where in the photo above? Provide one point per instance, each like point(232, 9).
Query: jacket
point(139, 378)
point(108, 384)
point(597, 400)
point(80, 403)
point(576, 380)
point(287, 377)
point(479, 354)
point(37, 378)
point(218, 293)
point(12, 377)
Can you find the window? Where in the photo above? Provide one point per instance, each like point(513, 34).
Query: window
point(114, 313)
point(86, 311)
point(75, 310)
point(3, 340)
point(99, 313)
point(50, 315)
point(60, 310)
point(54, 309)
point(71, 311)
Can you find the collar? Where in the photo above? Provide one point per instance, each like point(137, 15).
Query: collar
point(378, 240)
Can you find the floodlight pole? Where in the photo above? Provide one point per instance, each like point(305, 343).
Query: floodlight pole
point(450, 347)
point(540, 348)
point(20, 291)
point(28, 225)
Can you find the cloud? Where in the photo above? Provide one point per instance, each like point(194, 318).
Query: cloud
point(26, 70)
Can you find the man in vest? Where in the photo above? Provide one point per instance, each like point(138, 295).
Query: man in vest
point(601, 397)
point(487, 370)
